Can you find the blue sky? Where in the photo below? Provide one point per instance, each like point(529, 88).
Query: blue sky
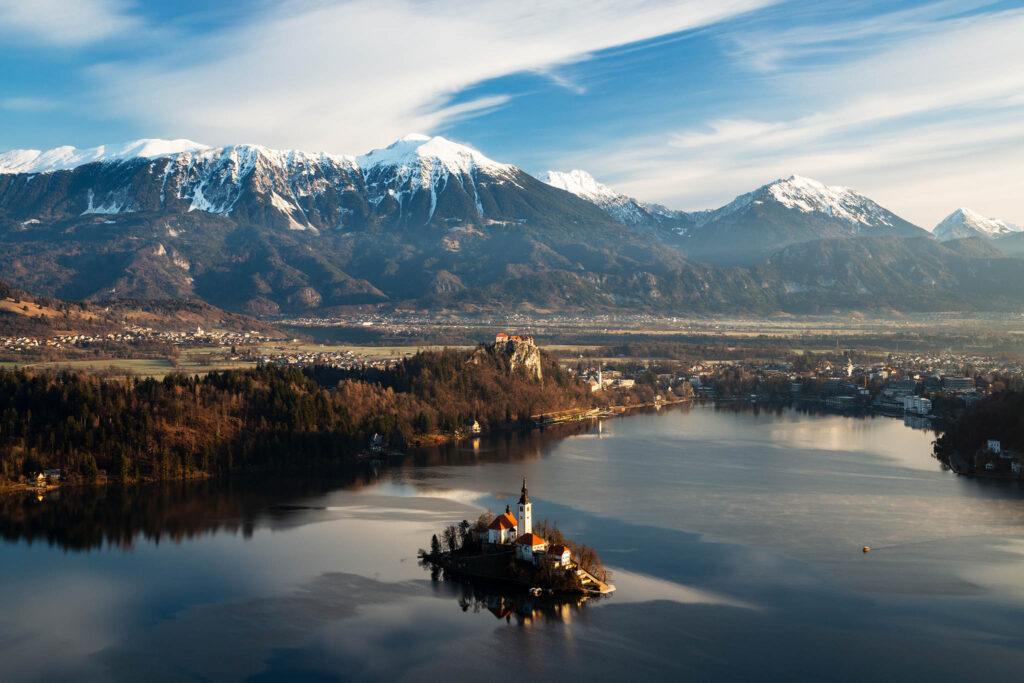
point(919, 105)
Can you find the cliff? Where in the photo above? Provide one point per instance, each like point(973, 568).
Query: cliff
point(521, 353)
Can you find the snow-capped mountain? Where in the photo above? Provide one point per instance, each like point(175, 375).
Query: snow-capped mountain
point(428, 222)
point(809, 196)
point(966, 223)
point(406, 183)
point(631, 212)
point(752, 226)
point(430, 169)
point(67, 157)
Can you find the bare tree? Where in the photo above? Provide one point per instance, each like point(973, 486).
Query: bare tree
point(451, 537)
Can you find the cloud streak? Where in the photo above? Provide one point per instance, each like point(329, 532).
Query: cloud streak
point(931, 122)
point(345, 77)
point(66, 23)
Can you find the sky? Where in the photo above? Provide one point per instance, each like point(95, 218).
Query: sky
point(918, 105)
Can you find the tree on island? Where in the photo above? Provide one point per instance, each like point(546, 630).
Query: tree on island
point(435, 546)
point(451, 538)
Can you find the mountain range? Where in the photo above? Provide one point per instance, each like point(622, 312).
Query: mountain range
point(427, 223)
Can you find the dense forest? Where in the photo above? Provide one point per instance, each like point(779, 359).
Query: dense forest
point(998, 416)
point(267, 417)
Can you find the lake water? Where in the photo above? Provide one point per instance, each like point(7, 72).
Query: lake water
point(734, 536)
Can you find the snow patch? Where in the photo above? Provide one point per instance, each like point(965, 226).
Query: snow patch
point(68, 157)
point(967, 223)
point(581, 184)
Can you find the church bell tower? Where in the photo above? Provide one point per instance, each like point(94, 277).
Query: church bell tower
point(525, 512)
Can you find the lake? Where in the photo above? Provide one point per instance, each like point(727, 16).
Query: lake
point(734, 536)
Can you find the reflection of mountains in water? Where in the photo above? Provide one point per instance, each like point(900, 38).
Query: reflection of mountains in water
point(87, 517)
point(509, 604)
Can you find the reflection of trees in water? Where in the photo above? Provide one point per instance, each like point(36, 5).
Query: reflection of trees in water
point(501, 447)
point(816, 409)
point(88, 517)
point(517, 606)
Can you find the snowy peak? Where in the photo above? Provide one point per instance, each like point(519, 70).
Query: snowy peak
point(68, 157)
point(810, 196)
point(966, 223)
point(581, 184)
point(642, 216)
point(422, 151)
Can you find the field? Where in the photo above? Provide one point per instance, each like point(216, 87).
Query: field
point(201, 360)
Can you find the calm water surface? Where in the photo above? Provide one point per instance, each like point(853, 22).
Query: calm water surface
point(735, 540)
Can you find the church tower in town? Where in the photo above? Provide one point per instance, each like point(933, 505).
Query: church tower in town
point(525, 522)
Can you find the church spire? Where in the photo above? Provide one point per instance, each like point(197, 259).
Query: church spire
point(524, 498)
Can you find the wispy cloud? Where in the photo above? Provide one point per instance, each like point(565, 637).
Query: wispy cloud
point(348, 76)
point(28, 104)
point(65, 22)
point(932, 121)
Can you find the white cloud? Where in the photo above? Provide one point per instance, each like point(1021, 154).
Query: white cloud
point(929, 123)
point(65, 22)
point(27, 104)
point(346, 77)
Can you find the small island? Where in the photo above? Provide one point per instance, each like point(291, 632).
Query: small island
point(514, 551)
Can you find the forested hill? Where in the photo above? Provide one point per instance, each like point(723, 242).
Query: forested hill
point(999, 416)
point(23, 314)
point(267, 417)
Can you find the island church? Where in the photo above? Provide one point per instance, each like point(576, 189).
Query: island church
point(529, 547)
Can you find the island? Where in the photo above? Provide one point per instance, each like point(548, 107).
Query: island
point(511, 550)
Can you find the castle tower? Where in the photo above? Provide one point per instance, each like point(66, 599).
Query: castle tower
point(525, 521)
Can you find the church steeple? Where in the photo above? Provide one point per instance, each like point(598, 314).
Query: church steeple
point(523, 498)
point(524, 525)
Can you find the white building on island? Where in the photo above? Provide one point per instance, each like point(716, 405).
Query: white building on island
point(503, 528)
point(530, 547)
point(517, 532)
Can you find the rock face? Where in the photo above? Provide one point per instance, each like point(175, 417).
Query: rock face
point(521, 353)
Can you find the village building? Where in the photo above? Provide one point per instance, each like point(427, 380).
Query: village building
point(530, 548)
point(559, 556)
point(502, 529)
point(502, 338)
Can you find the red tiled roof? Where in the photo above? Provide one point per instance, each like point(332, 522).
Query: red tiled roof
point(502, 522)
point(531, 540)
point(557, 550)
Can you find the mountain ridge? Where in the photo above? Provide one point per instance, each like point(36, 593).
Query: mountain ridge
point(430, 224)
point(754, 224)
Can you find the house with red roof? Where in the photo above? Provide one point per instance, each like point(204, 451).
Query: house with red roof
point(503, 528)
point(530, 547)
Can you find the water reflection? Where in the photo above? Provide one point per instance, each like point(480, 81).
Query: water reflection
point(84, 518)
point(510, 605)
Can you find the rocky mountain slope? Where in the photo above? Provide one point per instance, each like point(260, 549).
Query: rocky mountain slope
point(429, 223)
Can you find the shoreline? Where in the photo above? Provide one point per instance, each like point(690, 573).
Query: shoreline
point(459, 567)
point(359, 458)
